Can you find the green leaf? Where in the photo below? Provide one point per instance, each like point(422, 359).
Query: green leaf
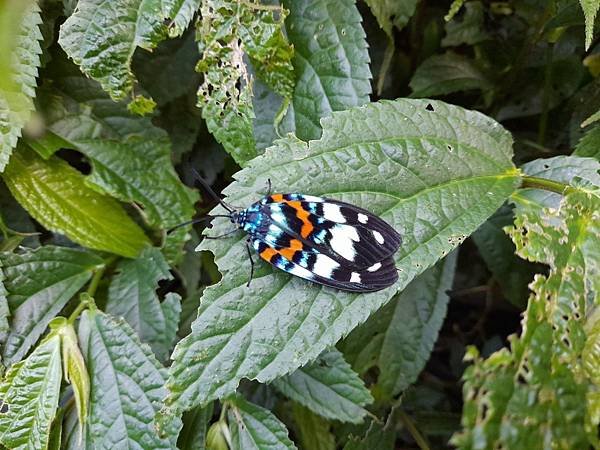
point(331, 61)
point(29, 394)
point(132, 295)
point(418, 317)
point(313, 432)
point(126, 387)
point(377, 437)
point(469, 30)
point(39, 283)
point(423, 166)
point(57, 196)
point(447, 73)
point(20, 47)
point(590, 9)
point(454, 9)
point(512, 273)
point(195, 424)
point(534, 393)
point(74, 369)
point(255, 427)
point(4, 309)
point(399, 338)
point(104, 52)
point(591, 365)
point(589, 144)
point(565, 169)
point(392, 13)
point(228, 31)
point(130, 157)
point(329, 387)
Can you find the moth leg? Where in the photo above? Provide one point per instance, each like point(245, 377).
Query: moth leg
point(251, 262)
point(222, 235)
point(269, 187)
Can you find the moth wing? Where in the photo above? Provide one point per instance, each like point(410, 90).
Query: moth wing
point(338, 229)
point(283, 250)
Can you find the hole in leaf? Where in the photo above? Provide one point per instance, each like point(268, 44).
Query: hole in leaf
point(429, 107)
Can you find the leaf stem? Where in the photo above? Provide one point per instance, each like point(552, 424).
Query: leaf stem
point(87, 297)
point(412, 429)
point(545, 184)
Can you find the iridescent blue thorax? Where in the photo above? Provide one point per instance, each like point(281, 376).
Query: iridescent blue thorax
point(250, 219)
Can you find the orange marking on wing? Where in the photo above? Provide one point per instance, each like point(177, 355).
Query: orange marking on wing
point(277, 198)
point(268, 253)
point(302, 214)
point(288, 252)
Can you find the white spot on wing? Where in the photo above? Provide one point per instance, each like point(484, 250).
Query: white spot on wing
point(300, 272)
point(374, 267)
point(363, 218)
point(312, 198)
point(378, 237)
point(332, 212)
point(342, 237)
point(324, 266)
point(355, 278)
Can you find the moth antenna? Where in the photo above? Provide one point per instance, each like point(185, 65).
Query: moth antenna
point(196, 220)
point(212, 193)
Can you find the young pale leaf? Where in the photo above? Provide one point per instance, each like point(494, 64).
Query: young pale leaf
point(228, 31)
point(57, 196)
point(126, 387)
point(20, 49)
point(312, 431)
point(130, 157)
point(447, 73)
point(132, 295)
point(590, 120)
point(331, 61)
point(589, 144)
point(195, 425)
point(565, 169)
point(329, 387)
point(29, 397)
point(253, 427)
point(535, 392)
point(398, 338)
point(590, 9)
point(104, 52)
point(467, 30)
point(423, 166)
point(39, 283)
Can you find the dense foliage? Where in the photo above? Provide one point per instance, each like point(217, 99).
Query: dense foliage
point(472, 127)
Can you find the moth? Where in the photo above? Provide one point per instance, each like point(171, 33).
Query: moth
point(322, 240)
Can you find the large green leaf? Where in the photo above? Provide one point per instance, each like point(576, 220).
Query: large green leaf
point(392, 13)
point(126, 387)
point(331, 61)
point(132, 295)
point(590, 9)
point(20, 49)
point(329, 387)
point(253, 427)
point(130, 157)
point(195, 424)
point(29, 394)
point(57, 196)
point(101, 36)
point(39, 283)
point(398, 339)
point(425, 167)
point(565, 169)
point(536, 392)
point(4, 310)
point(229, 31)
point(447, 73)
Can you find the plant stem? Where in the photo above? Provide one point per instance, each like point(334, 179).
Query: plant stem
point(545, 184)
point(412, 429)
point(91, 290)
